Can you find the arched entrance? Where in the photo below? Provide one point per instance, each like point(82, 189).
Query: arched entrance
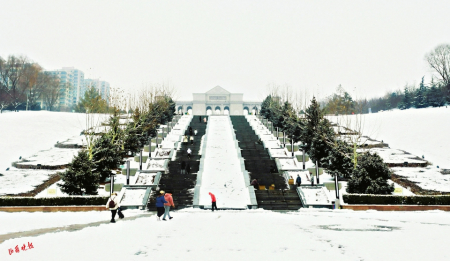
point(180, 110)
point(217, 110)
point(246, 110)
point(255, 110)
point(208, 110)
point(226, 110)
point(189, 110)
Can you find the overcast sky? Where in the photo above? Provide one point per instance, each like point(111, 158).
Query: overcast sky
point(370, 47)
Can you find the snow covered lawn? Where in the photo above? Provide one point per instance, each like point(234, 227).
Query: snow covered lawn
point(308, 234)
point(16, 181)
point(417, 131)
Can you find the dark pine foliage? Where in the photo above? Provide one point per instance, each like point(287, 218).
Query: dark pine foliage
point(106, 156)
point(370, 176)
point(339, 161)
point(79, 178)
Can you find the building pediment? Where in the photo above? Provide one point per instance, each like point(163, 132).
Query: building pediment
point(217, 90)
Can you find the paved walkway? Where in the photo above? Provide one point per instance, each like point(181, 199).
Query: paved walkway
point(222, 172)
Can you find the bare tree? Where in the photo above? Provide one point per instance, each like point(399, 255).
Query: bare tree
point(11, 74)
point(34, 81)
point(52, 92)
point(439, 60)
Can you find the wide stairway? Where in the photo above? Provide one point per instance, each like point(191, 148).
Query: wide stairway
point(181, 185)
point(261, 167)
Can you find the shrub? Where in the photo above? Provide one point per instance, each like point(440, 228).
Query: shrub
point(56, 201)
point(367, 199)
point(370, 176)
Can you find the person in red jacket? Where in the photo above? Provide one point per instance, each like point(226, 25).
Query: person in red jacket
point(213, 199)
point(169, 199)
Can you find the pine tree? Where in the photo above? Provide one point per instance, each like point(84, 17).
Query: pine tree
point(339, 160)
point(321, 142)
point(79, 178)
point(420, 100)
point(434, 96)
point(406, 101)
point(370, 176)
point(106, 156)
point(313, 116)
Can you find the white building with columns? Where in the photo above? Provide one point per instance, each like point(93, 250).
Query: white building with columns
point(217, 101)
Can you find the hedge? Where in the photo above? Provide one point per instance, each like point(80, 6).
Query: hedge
point(367, 199)
point(56, 201)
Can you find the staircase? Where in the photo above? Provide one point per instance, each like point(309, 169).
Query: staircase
point(181, 185)
point(260, 166)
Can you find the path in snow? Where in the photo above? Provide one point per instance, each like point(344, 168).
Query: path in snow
point(193, 234)
point(222, 173)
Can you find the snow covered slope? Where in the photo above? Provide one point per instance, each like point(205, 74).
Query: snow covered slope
point(26, 132)
point(418, 131)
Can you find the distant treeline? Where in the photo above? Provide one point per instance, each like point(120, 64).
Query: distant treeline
point(434, 94)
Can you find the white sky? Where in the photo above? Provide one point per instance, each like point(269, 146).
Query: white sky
point(369, 47)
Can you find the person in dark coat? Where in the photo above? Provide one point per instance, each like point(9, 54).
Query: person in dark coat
point(199, 118)
point(298, 180)
point(190, 131)
point(255, 184)
point(116, 207)
point(183, 167)
point(160, 204)
point(213, 201)
point(188, 168)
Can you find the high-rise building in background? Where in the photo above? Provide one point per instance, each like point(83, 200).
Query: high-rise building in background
point(102, 87)
point(71, 86)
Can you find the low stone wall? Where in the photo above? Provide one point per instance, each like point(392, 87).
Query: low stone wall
point(396, 207)
point(53, 209)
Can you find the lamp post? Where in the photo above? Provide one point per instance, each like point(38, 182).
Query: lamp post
point(292, 145)
point(277, 133)
point(111, 190)
point(303, 156)
point(128, 172)
point(140, 160)
point(317, 172)
point(284, 139)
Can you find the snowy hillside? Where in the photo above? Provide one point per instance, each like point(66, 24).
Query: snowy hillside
point(26, 132)
point(417, 131)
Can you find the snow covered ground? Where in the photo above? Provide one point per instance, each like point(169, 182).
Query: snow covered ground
point(417, 131)
point(26, 132)
point(222, 174)
point(193, 234)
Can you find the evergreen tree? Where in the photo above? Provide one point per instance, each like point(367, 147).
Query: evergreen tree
point(106, 156)
point(339, 160)
point(407, 100)
point(321, 142)
point(434, 96)
point(370, 176)
point(79, 177)
point(92, 102)
point(420, 100)
point(313, 116)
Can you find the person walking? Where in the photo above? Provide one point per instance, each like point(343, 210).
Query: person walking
point(213, 200)
point(205, 120)
point(160, 205)
point(192, 140)
point(114, 206)
point(298, 180)
point(169, 199)
point(200, 119)
point(188, 168)
point(255, 184)
point(189, 151)
point(183, 167)
point(195, 132)
point(190, 131)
